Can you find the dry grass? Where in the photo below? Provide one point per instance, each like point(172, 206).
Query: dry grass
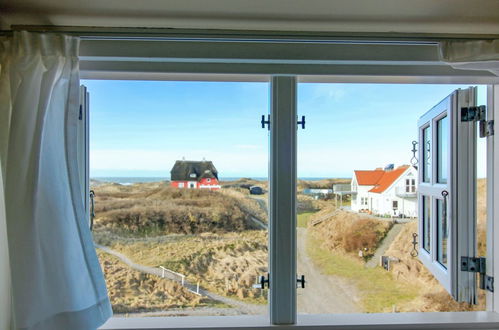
point(321, 184)
point(131, 291)
point(248, 204)
point(482, 216)
point(349, 232)
point(432, 297)
point(156, 209)
point(379, 290)
point(224, 263)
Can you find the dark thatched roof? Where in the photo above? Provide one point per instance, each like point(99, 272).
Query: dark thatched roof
point(187, 170)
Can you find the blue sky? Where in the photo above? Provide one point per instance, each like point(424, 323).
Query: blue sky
point(139, 128)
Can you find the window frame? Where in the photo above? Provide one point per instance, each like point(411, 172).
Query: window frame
point(461, 188)
point(307, 71)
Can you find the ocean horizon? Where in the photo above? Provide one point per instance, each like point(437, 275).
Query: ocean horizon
point(124, 180)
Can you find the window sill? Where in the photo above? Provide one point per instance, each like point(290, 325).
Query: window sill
point(451, 320)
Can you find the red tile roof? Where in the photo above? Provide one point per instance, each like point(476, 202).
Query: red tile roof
point(380, 179)
point(368, 178)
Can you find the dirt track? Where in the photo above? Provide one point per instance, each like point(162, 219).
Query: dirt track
point(323, 294)
point(239, 306)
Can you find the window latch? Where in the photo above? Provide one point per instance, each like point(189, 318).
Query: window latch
point(265, 122)
point(300, 282)
point(301, 122)
point(477, 265)
point(478, 114)
point(264, 281)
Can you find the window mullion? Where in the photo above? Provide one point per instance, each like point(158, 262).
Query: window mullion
point(283, 200)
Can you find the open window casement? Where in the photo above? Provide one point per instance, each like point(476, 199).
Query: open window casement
point(83, 147)
point(446, 197)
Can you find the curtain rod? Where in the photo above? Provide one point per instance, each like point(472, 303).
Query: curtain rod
point(203, 34)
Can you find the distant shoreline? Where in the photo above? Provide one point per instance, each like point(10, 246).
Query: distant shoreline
point(145, 179)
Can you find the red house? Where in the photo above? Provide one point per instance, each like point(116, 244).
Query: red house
point(194, 175)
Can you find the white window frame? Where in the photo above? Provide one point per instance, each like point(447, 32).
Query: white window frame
point(83, 148)
point(181, 185)
point(461, 189)
point(113, 61)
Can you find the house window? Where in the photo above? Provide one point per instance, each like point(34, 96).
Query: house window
point(208, 180)
point(395, 205)
point(410, 185)
point(181, 185)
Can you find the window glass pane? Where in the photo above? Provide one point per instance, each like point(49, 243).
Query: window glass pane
point(426, 218)
point(179, 171)
point(355, 181)
point(426, 154)
point(442, 233)
point(443, 149)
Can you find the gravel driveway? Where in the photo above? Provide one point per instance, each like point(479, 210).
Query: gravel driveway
point(323, 294)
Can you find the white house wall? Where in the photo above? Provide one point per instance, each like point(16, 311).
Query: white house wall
point(382, 203)
point(362, 191)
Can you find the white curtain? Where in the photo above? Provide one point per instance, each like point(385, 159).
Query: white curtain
point(56, 280)
point(471, 55)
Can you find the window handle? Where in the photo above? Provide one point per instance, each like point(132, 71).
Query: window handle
point(414, 252)
point(92, 209)
point(445, 195)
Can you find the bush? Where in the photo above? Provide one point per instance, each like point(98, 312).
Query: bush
point(350, 232)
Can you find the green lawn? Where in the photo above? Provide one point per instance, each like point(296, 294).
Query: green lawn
point(303, 218)
point(377, 288)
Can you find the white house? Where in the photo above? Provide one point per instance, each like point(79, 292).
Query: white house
point(390, 191)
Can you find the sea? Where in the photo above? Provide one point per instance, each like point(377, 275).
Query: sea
point(124, 180)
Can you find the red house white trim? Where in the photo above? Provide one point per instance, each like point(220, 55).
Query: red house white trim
point(194, 175)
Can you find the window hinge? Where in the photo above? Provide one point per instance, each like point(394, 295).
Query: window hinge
point(486, 128)
point(478, 114)
point(477, 265)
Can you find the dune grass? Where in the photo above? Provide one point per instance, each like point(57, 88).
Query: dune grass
point(303, 218)
point(377, 288)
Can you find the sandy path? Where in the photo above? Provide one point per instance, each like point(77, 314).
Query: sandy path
point(385, 244)
point(323, 294)
point(241, 307)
